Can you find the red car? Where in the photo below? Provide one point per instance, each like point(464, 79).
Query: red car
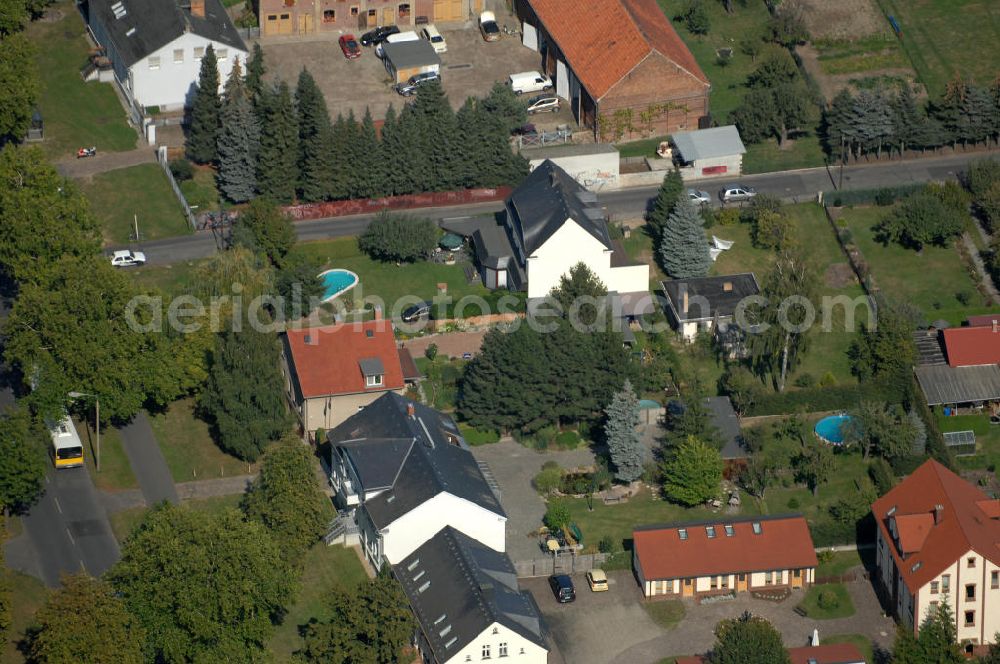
point(350, 46)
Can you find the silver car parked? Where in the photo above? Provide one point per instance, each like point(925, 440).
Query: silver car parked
point(736, 193)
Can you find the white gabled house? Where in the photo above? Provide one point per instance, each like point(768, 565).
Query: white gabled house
point(156, 46)
point(405, 472)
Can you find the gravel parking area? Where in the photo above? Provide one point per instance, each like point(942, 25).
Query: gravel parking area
point(469, 68)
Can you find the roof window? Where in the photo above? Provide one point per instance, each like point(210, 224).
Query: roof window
point(710, 531)
point(412, 566)
point(424, 586)
point(730, 531)
point(682, 533)
point(118, 9)
point(451, 642)
point(757, 530)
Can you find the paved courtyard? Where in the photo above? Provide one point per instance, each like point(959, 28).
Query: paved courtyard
point(614, 627)
point(514, 466)
point(469, 68)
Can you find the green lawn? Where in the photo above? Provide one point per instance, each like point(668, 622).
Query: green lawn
point(644, 148)
point(27, 595)
point(75, 113)
point(142, 191)
point(843, 607)
point(200, 191)
point(325, 568)
point(665, 613)
point(931, 31)
point(388, 281)
point(765, 157)
point(173, 279)
point(727, 31)
point(838, 564)
point(116, 472)
point(930, 279)
point(987, 438)
point(187, 445)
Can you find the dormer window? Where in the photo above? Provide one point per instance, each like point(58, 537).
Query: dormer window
point(373, 371)
point(373, 381)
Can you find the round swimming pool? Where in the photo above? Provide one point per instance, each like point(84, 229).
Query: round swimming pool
point(831, 428)
point(336, 282)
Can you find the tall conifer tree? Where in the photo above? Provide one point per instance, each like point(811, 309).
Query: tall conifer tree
point(316, 153)
point(206, 111)
point(239, 141)
point(683, 246)
point(277, 167)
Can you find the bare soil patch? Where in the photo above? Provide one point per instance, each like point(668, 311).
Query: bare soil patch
point(842, 19)
point(839, 275)
point(830, 85)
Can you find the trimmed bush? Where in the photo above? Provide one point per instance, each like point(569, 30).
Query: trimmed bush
point(835, 397)
point(873, 196)
point(828, 600)
point(181, 169)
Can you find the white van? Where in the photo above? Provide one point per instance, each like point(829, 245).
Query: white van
point(528, 81)
point(398, 37)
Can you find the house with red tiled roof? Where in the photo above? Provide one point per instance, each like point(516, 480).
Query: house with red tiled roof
point(834, 653)
point(332, 372)
point(614, 59)
point(724, 557)
point(972, 346)
point(938, 541)
point(984, 320)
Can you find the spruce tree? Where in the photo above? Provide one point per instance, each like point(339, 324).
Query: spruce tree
point(948, 110)
point(975, 124)
point(671, 191)
point(907, 116)
point(835, 123)
point(368, 181)
point(683, 246)
point(244, 396)
point(486, 159)
point(388, 166)
point(435, 131)
point(277, 165)
point(622, 435)
point(206, 110)
point(239, 141)
point(402, 147)
point(256, 68)
point(316, 153)
point(871, 119)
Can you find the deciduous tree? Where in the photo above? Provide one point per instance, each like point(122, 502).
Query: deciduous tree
point(693, 473)
point(239, 141)
point(920, 219)
point(85, 621)
point(18, 86)
point(22, 461)
point(206, 112)
point(622, 435)
point(813, 465)
point(207, 587)
point(396, 237)
point(244, 395)
point(748, 639)
point(684, 248)
point(287, 500)
point(265, 228)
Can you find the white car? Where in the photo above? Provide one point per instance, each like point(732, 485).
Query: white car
point(431, 34)
point(543, 104)
point(488, 27)
point(699, 197)
point(126, 258)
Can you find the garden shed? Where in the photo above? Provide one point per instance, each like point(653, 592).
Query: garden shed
point(405, 59)
point(714, 152)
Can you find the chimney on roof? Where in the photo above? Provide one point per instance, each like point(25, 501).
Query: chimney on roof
point(411, 412)
point(378, 312)
point(996, 323)
point(198, 8)
point(553, 179)
point(684, 305)
point(938, 513)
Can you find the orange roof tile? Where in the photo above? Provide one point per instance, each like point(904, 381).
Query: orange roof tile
point(963, 526)
point(783, 543)
point(607, 40)
point(913, 530)
point(991, 508)
point(835, 653)
point(326, 360)
point(972, 346)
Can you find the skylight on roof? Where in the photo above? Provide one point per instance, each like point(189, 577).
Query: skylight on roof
point(445, 632)
point(682, 533)
point(412, 566)
point(118, 9)
point(757, 528)
point(710, 531)
point(441, 619)
point(424, 586)
point(130, 32)
point(451, 642)
point(730, 531)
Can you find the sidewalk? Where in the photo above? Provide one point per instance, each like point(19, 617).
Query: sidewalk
point(147, 461)
point(72, 167)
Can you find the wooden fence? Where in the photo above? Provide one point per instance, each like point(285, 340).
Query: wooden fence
point(560, 564)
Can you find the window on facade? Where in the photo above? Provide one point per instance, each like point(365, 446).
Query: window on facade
point(502, 649)
point(404, 12)
point(946, 583)
point(329, 16)
point(714, 582)
point(934, 587)
point(970, 618)
point(354, 10)
point(970, 562)
point(710, 531)
point(289, 3)
point(373, 381)
point(797, 574)
point(199, 52)
point(272, 17)
point(468, 658)
point(178, 55)
point(725, 581)
point(768, 576)
point(994, 580)
point(970, 592)
point(154, 62)
point(223, 53)
point(486, 652)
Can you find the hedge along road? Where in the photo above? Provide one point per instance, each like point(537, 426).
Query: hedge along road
point(796, 186)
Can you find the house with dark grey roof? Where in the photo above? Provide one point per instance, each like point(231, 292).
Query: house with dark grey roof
point(156, 46)
point(467, 603)
point(405, 472)
point(713, 152)
point(551, 223)
point(704, 303)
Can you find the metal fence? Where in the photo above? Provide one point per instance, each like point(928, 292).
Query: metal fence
point(562, 564)
point(249, 33)
point(161, 158)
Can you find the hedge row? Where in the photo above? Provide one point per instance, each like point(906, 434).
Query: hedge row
point(816, 399)
point(881, 196)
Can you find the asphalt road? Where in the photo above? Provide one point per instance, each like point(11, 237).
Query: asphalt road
point(67, 530)
point(800, 185)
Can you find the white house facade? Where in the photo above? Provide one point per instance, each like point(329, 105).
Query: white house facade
point(500, 641)
point(156, 46)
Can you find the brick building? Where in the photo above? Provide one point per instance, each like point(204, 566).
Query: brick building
point(302, 17)
point(620, 63)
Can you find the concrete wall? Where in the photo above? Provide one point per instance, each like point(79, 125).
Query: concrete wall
point(593, 171)
point(172, 85)
point(496, 635)
point(337, 408)
point(407, 533)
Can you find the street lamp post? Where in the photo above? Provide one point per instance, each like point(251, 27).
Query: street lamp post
point(97, 423)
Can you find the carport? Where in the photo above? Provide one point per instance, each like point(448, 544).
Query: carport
point(406, 59)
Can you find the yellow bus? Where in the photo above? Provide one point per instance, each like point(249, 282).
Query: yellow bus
point(67, 450)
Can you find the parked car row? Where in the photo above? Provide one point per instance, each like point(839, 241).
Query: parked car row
point(564, 590)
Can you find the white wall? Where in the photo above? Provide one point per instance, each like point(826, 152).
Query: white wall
point(571, 244)
point(404, 535)
point(593, 171)
point(494, 636)
point(172, 85)
point(986, 605)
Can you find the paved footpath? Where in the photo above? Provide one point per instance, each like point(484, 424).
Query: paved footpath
point(148, 464)
point(196, 490)
point(105, 161)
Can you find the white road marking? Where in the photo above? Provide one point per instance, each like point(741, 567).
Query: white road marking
point(58, 506)
point(70, 535)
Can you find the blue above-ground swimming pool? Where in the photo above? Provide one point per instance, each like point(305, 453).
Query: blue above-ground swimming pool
point(831, 428)
point(337, 281)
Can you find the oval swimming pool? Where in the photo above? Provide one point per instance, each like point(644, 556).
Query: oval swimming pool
point(831, 428)
point(336, 282)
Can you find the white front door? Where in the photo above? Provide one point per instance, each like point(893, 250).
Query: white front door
point(529, 36)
